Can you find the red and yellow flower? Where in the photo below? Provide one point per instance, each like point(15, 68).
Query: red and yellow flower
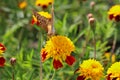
point(2, 59)
point(22, 5)
point(43, 3)
point(2, 48)
point(114, 13)
point(59, 48)
point(113, 73)
point(90, 69)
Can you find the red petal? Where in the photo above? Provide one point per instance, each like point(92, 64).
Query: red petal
point(70, 60)
point(117, 18)
point(57, 64)
point(111, 16)
point(80, 78)
point(108, 77)
point(44, 54)
point(2, 61)
point(2, 47)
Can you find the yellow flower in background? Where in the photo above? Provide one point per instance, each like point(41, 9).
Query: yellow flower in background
point(22, 5)
point(114, 13)
point(43, 3)
point(90, 69)
point(59, 48)
point(113, 57)
point(113, 73)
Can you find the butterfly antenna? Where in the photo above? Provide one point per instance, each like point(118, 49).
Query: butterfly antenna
point(52, 21)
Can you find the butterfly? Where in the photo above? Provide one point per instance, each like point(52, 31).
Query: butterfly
point(44, 22)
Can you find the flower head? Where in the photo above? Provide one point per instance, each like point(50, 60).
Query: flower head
point(107, 56)
point(114, 72)
point(114, 13)
point(2, 61)
point(44, 3)
point(22, 5)
point(59, 48)
point(2, 48)
point(90, 69)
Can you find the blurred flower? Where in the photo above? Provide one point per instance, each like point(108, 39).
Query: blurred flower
point(113, 73)
point(2, 61)
point(91, 20)
point(22, 5)
point(13, 61)
point(2, 48)
point(114, 13)
point(107, 55)
point(92, 4)
point(43, 3)
point(90, 69)
point(90, 15)
point(59, 48)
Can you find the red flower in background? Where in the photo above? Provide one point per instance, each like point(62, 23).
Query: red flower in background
point(2, 61)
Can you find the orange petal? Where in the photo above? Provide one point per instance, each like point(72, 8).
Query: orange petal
point(2, 61)
point(70, 60)
point(57, 64)
point(80, 78)
point(44, 54)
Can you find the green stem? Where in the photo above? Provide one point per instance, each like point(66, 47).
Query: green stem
point(40, 57)
point(13, 75)
point(94, 42)
point(53, 75)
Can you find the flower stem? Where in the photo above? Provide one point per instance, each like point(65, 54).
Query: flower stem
point(94, 42)
point(13, 75)
point(40, 47)
point(53, 75)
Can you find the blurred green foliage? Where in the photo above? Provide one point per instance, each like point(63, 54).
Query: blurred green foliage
point(22, 39)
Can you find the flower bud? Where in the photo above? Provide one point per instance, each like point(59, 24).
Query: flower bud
point(92, 4)
point(91, 20)
point(92, 23)
point(13, 61)
point(90, 15)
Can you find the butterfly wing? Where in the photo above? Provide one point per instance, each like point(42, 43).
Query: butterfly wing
point(43, 21)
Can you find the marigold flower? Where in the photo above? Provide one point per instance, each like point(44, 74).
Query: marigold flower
point(90, 69)
point(113, 73)
point(22, 5)
point(114, 13)
point(59, 48)
point(2, 61)
point(43, 3)
point(2, 48)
